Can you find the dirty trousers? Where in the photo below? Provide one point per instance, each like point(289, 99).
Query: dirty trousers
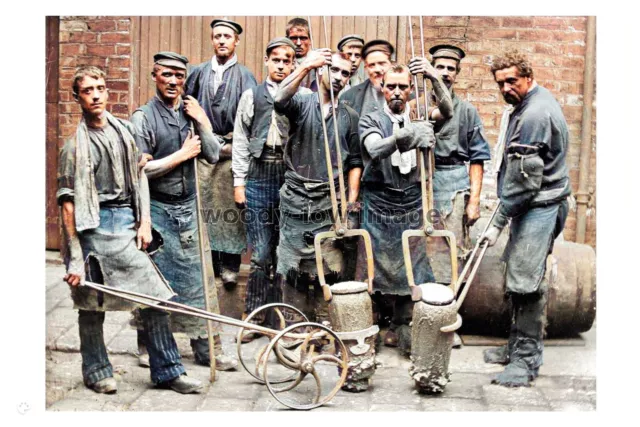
point(164, 357)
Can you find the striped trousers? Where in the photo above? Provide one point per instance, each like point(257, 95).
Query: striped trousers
point(263, 230)
point(164, 357)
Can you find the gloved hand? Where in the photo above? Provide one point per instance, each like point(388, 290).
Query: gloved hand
point(491, 235)
point(415, 135)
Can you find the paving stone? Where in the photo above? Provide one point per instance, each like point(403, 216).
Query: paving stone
point(465, 385)
point(518, 408)
point(521, 396)
point(569, 394)
point(62, 318)
point(381, 407)
point(399, 389)
point(442, 403)
point(53, 333)
point(573, 406)
point(225, 405)
point(117, 318)
point(94, 404)
point(70, 340)
point(346, 401)
point(124, 342)
point(154, 399)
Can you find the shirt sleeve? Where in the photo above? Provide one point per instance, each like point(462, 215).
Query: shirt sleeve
point(291, 109)
point(241, 130)
point(366, 126)
point(66, 172)
point(478, 146)
point(145, 139)
point(354, 158)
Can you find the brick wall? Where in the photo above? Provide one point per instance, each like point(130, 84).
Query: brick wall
point(101, 41)
point(556, 47)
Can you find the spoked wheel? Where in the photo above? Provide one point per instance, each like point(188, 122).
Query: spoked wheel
point(320, 361)
point(280, 313)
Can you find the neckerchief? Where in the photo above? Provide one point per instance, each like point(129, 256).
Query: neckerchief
point(407, 160)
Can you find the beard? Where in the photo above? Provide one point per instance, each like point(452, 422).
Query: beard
point(396, 106)
point(510, 99)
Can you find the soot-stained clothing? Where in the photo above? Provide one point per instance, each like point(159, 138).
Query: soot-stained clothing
point(364, 98)
point(392, 204)
point(305, 202)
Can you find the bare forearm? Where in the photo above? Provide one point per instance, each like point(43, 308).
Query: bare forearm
point(75, 250)
point(290, 85)
point(210, 142)
point(145, 201)
point(160, 167)
point(354, 184)
point(69, 220)
point(475, 177)
point(443, 97)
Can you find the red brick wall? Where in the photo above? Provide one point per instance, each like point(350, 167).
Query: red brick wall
point(556, 47)
point(101, 41)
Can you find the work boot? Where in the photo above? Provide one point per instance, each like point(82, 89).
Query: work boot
point(183, 384)
point(105, 386)
point(200, 349)
point(526, 357)
point(403, 332)
point(229, 279)
point(500, 355)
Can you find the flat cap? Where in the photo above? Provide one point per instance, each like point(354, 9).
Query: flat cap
point(377, 46)
point(171, 59)
point(279, 41)
point(446, 51)
point(227, 23)
point(350, 38)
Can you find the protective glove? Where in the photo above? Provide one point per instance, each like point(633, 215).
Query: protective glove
point(491, 235)
point(415, 135)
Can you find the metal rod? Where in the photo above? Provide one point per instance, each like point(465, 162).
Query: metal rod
point(332, 190)
point(424, 77)
point(415, 78)
point(205, 284)
point(343, 193)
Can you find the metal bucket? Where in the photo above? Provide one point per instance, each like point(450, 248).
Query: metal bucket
point(351, 316)
point(435, 319)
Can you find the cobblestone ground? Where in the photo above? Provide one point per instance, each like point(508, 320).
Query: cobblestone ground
point(567, 381)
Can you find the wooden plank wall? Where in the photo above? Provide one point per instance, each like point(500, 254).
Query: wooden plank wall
point(191, 36)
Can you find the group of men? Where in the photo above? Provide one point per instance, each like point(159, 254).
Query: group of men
point(259, 151)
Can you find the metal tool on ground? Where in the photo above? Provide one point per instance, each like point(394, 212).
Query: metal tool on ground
point(434, 311)
point(205, 281)
point(303, 351)
point(350, 307)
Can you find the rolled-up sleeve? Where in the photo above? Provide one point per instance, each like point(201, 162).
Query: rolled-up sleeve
point(66, 172)
point(478, 146)
point(145, 139)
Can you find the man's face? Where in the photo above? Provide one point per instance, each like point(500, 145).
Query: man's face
point(169, 82)
point(340, 71)
point(512, 86)
point(92, 96)
point(224, 41)
point(279, 63)
point(447, 69)
point(396, 90)
point(377, 63)
point(300, 37)
point(355, 54)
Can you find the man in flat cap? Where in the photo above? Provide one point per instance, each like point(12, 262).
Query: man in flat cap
point(174, 130)
point(305, 204)
point(352, 45)
point(258, 173)
point(460, 141)
point(107, 227)
point(297, 31)
point(367, 97)
point(533, 187)
point(217, 85)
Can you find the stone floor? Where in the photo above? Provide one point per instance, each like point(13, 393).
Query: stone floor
point(567, 380)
